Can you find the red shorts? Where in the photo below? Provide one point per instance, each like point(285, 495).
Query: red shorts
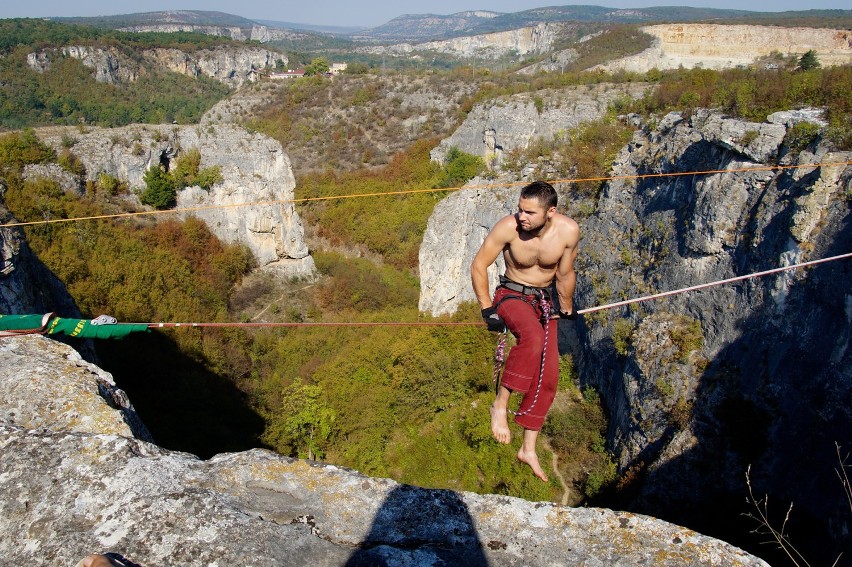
point(523, 365)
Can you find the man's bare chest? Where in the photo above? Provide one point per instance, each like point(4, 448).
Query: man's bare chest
point(533, 252)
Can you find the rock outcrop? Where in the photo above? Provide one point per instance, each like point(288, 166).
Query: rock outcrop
point(719, 46)
point(555, 62)
point(522, 41)
point(253, 203)
point(234, 32)
point(255, 32)
point(455, 231)
point(699, 386)
point(230, 65)
point(513, 122)
point(76, 480)
point(234, 67)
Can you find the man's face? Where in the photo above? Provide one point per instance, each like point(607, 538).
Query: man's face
point(532, 215)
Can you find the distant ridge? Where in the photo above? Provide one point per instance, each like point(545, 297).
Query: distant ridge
point(426, 27)
point(336, 30)
point(193, 17)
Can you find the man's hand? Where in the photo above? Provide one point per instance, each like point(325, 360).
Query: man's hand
point(493, 320)
point(570, 315)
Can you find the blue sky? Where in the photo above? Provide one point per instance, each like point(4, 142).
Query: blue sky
point(348, 13)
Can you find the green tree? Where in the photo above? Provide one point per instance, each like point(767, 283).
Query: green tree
point(809, 60)
point(307, 425)
point(318, 66)
point(160, 191)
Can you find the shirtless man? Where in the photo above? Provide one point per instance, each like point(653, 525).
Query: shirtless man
point(538, 246)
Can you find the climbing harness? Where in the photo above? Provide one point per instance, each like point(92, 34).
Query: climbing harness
point(540, 300)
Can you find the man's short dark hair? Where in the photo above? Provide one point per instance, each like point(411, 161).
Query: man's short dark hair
point(542, 191)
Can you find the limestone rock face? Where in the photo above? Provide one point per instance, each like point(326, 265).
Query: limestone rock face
point(738, 381)
point(265, 34)
point(233, 32)
point(455, 231)
point(557, 62)
point(232, 66)
point(47, 385)
point(255, 169)
point(513, 122)
point(26, 285)
point(76, 481)
point(716, 46)
point(109, 65)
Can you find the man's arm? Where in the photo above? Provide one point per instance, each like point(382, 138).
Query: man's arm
point(494, 243)
point(566, 278)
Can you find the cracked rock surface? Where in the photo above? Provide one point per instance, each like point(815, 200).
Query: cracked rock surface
point(74, 480)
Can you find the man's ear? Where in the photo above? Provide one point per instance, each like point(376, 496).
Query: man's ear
point(551, 211)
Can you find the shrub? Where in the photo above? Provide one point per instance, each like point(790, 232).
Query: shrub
point(460, 168)
point(23, 148)
point(186, 168)
point(801, 135)
point(208, 177)
point(71, 163)
point(622, 329)
point(111, 184)
point(687, 336)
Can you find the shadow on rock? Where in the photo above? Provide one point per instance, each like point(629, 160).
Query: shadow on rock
point(184, 405)
point(421, 527)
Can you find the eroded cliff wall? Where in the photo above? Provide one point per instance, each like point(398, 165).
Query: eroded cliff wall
point(709, 383)
point(717, 46)
point(513, 122)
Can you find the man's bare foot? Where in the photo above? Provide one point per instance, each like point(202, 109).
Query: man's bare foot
point(500, 425)
point(531, 459)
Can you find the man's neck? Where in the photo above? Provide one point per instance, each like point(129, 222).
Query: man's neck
point(539, 232)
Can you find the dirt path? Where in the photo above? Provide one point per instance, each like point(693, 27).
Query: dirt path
point(283, 295)
point(554, 463)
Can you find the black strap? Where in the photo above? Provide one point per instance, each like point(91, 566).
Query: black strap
point(521, 288)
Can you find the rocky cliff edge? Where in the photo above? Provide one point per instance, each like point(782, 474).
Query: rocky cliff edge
point(76, 480)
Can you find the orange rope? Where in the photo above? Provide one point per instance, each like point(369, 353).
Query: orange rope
point(414, 191)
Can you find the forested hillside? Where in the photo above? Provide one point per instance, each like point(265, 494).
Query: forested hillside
point(68, 93)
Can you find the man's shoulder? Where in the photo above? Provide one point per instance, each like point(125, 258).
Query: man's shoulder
point(566, 223)
point(507, 224)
